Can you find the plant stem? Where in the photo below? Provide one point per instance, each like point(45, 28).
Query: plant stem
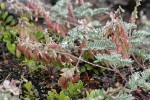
point(96, 65)
point(137, 61)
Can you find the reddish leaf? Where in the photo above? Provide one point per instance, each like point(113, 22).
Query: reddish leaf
point(48, 23)
point(119, 49)
point(19, 47)
point(36, 52)
point(22, 35)
point(33, 56)
point(75, 78)
point(31, 5)
point(63, 82)
point(44, 57)
point(54, 46)
point(59, 29)
point(26, 53)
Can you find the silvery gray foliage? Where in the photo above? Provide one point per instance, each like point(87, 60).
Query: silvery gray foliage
point(7, 96)
point(101, 94)
point(10, 86)
point(113, 59)
point(140, 79)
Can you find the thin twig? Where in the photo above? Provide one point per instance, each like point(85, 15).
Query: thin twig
point(86, 61)
point(137, 61)
point(117, 71)
point(78, 61)
point(6, 77)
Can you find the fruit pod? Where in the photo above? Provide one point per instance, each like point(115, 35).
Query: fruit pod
point(44, 57)
point(59, 59)
point(26, 53)
point(33, 56)
point(19, 47)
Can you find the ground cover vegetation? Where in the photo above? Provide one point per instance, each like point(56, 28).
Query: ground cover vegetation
point(73, 50)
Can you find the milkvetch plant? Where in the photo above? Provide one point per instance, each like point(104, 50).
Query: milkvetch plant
point(70, 35)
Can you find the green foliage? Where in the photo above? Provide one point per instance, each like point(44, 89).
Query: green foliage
point(98, 41)
point(113, 59)
point(88, 67)
point(75, 89)
point(11, 47)
point(5, 17)
point(32, 64)
point(141, 54)
point(30, 92)
point(10, 39)
point(140, 43)
point(140, 33)
point(107, 95)
point(40, 36)
point(28, 86)
point(80, 34)
point(99, 45)
point(88, 11)
point(61, 96)
point(66, 94)
point(140, 79)
point(129, 25)
point(2, 6)
point(60, 9)
point(75, 34)
point(5, 14)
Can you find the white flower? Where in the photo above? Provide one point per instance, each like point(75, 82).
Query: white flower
point(6, 84)
point(14, 90)
point(68, 72)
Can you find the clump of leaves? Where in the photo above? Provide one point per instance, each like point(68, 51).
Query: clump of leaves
point(109, 94)
point(7, 96)
point(30, 93)
point(140, 80)
point(9, 87)
point(72, 90)
point(5, 17)
point(84, 41)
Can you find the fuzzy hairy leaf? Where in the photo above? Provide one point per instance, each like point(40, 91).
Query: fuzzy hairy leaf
point(88, 11)
point(7, 96)
point(140, 33)
point(98, 45)
point(107, 95)
point(113, 59)
point(140, 79)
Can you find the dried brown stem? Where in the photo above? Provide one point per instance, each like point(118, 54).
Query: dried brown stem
point(86, 61)
point(137, 61)
point(117, 71)
point(79, 61)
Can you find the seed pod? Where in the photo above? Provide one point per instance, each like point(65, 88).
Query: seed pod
point(26, 53)
point(44, 57)
point(60, 60)
point(67, 58)
point(33, 56)
point(36, 53)
point(119, 49)
point(19, 47)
